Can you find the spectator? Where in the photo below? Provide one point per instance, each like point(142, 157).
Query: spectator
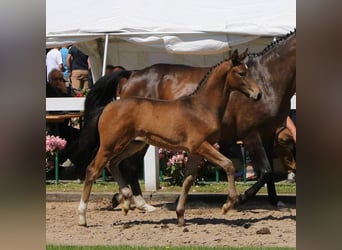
point(64, 51)
point(285, 147)
point(110, 68)
point(118, 68)
point(79, 69)
point(56, 86)
point(53, 60)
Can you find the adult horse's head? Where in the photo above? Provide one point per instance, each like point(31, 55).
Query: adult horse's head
point(240, 77)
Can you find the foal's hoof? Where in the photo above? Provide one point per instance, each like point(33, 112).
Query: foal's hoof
point(117, 198)
point(181, 222)
point(125, 211)
point(226, 207)
point(82, 221)
point(125, 208)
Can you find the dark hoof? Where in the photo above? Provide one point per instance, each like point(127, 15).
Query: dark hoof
point(242, 199)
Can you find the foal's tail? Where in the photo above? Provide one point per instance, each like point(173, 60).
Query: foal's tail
point(102, 93)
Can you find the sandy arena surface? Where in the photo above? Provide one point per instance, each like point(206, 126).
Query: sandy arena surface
point(253, 224)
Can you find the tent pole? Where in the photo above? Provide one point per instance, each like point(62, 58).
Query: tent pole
point(105, 55)
point(103, 73)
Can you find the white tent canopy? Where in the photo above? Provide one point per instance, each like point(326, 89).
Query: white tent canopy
point(144, 32)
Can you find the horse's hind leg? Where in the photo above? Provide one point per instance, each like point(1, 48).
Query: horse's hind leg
point(92, 172)
point(210, 153)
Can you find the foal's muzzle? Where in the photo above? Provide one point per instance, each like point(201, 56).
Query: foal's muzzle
point(256, 96)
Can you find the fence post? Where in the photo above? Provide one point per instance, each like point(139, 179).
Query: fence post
point(243, 155)
point(56, 168)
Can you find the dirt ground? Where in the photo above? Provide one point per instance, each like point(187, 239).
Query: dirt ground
point(253, 224)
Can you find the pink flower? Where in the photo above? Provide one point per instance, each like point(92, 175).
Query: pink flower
point(54, 143)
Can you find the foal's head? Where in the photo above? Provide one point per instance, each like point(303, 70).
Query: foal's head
point(239, 77)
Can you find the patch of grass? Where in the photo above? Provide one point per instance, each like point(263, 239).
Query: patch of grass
point(213, 187)
point(123, 247)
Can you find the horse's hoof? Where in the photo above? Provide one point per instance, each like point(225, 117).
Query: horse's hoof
point(242, 199)
point(282, 206)
point(147, 208)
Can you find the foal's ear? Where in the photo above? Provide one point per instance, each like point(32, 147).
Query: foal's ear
point(235, 55)
point(243, 55)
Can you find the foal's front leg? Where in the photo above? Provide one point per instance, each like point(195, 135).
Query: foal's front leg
point(92, 172)
point(214, 156)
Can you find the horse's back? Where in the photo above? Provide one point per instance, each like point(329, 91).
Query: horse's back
point(163, 81)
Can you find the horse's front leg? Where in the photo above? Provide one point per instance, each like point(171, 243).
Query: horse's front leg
point(261, 161)
point(189, 178)
point(92, 172)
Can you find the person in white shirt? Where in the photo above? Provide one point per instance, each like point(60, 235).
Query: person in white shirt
point(54, 61)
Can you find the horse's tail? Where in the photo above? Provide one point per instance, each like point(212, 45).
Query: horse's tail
point(102, 93)
point(88, 143)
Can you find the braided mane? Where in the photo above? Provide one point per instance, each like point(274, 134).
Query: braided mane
point(273, 44)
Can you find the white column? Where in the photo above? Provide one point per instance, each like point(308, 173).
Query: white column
point(293, 101)
point(151, 169)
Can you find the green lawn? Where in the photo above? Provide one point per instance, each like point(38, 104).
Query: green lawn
point(54, 247)
point(214, 187)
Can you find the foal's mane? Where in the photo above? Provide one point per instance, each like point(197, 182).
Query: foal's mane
point(206, 76)
point(273, 44)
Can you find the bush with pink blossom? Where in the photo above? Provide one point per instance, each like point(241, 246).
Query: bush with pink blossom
point(172, 164)
point(53, 144)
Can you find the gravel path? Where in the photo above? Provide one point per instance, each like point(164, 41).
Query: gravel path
point(253, 224)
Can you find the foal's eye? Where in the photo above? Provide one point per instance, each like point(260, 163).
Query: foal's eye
point(242, 74)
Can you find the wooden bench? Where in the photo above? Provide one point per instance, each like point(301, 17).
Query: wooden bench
point(59, 109)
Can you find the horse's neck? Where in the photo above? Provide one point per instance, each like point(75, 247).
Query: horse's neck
point(276, 71)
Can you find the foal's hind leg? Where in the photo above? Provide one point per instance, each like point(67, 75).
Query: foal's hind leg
point(190, 175)
point(129, 150)
point(92, 172)
point(210, 153)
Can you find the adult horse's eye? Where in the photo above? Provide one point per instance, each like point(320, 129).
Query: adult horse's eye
point(242, 74)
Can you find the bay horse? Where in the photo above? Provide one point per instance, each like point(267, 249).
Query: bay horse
point(274, 68)
point(191, 123)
